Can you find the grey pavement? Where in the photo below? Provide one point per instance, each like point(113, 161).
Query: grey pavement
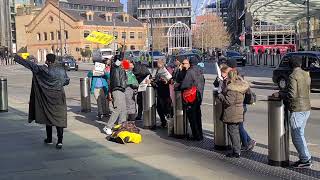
point(87, 154)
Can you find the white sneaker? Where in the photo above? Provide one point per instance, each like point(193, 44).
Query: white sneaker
point(107, 130)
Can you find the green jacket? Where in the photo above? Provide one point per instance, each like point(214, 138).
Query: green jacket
point(299, 91)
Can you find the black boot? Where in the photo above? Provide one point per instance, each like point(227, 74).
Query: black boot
point(48, 140)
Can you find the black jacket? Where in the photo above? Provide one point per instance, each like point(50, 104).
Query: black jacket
point(118, 79)
point(193, 77)
point(140, 71)
point(178, 76)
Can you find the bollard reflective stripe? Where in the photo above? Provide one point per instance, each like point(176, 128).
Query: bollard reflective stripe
point(85, 94)
point(3, 94)
point(149, 108)
point(278, 133)
point(180, 118)
point(221, 139)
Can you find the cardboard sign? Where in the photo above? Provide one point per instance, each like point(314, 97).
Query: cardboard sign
point(24, 55)
point(99, 37)
point(99, 69)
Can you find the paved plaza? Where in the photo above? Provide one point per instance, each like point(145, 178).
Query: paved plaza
point(88, 155)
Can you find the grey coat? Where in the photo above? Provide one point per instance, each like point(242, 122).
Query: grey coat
point(47, 99)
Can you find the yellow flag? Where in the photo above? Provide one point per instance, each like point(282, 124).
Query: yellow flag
point(24, 55)
point(99, 37)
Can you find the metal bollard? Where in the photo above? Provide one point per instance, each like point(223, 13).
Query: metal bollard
point(278, 133)
point(221, 139)
point(149, 108)
point(85, 94)
point(180, 117)
point(3, 94)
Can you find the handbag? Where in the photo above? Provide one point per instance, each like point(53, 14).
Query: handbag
point(190, 95)
point(250, 97)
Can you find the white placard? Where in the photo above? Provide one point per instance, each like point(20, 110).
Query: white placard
point(143, 85)
point(98, 69)
point(219, 77)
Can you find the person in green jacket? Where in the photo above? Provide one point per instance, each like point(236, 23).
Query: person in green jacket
point(100, 89)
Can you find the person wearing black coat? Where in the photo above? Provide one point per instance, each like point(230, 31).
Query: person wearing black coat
point(141, 72)
point(118, 85)
point(194, 77)
point(47, 103)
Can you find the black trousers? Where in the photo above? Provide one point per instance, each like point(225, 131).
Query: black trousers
point(162, 109)
point(59, 133)
point(234, 134)
point(140, 104)
point(194, 117)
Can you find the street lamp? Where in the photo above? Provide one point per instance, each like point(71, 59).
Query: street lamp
point(60, 28)
point(308, 24)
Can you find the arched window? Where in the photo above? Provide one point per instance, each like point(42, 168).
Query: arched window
point(38, 36)
point(45, 36)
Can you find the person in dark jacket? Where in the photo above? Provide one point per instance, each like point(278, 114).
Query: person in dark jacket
point(118, 85)
point(164, 102)
point(141, 72)
point(194, 77)
point(297, 99)
point(47, 103)
point(232, 102)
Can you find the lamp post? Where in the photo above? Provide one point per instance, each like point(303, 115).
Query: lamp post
point(151, 31)
point(308, 25)
point(60, 27)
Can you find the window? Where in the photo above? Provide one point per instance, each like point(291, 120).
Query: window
point(38, 36)
point(131, 35)
point(86, 33)
point(109, 18)
point(45, 36)
point(124, 35)
point(52, 36)
point(89, 17)
point(140, 35)
point(59, 35)
point(313, 62)
point(132, 47)
point(116, 34)
point(66, 34)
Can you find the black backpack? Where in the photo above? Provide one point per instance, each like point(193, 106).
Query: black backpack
point(250, 97)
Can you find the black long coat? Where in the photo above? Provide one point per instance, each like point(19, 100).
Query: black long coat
point(47, 99)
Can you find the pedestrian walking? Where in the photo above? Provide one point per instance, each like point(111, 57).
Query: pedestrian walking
point(100, 89)
point(298, 103)
point(193, 79)
point(118, 85)
point(47, 103)
point(232, 103)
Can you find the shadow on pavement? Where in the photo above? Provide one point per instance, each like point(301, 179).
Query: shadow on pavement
point(251, 160)
point(24, 156)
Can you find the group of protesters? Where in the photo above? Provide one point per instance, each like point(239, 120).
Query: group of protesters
point(116, 92)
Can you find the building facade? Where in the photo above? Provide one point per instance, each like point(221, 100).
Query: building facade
point(165, 12)
point(314, 33)
point(7, 25)
point(132, 8)
point(93, 5)
point(47, 33)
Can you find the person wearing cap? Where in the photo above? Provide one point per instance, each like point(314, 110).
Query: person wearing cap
point(118, 85)
point(194, 77)
point(47, 103)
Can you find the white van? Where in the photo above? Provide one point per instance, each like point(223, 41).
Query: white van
point(101, 54)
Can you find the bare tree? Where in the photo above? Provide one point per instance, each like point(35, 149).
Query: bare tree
point(210, 32)
point(159, 37)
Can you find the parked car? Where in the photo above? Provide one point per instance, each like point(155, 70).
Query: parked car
point(233, 55)
point(181, 57)
point(132, 55)
point(69, 62)
point(156, 56)
point(310, 63)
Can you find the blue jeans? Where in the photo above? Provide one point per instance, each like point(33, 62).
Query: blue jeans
point(244, 136)
point(298, 121)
